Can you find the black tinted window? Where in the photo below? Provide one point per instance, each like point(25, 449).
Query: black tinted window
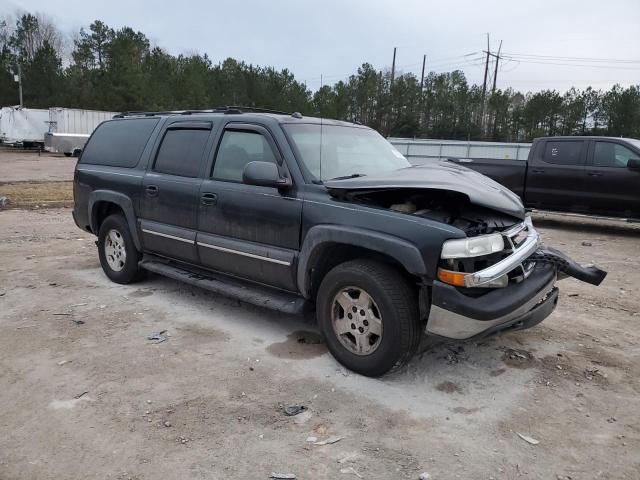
point(563, 153)
point(607, 154)
point(236, 150)
point(180, 152)
point(118, 143)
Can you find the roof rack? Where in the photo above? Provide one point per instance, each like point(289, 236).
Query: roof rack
point(228, 109)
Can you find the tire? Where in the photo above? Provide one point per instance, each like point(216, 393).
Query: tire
point(118, 254)
point(392, 300)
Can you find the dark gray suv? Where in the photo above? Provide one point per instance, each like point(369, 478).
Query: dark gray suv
point(291, 212)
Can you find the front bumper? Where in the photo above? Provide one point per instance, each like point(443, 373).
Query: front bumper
point(456, 315)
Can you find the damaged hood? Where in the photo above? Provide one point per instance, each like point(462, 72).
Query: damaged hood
point(481, 190)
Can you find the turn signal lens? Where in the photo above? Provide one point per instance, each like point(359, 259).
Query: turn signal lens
point(452, 278)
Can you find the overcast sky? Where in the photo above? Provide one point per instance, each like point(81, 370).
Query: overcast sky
point(333, 37)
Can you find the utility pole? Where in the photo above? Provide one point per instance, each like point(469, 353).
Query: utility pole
point(393, 66)
point(19, 80)
point(495, 73)
point(484, 85)
point(420, 117)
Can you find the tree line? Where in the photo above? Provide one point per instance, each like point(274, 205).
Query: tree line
point(119, 70)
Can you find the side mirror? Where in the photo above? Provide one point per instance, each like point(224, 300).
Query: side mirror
point(633, 164)
point(264, 174)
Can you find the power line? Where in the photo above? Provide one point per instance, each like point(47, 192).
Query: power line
point(562, 64)
point(577, 59)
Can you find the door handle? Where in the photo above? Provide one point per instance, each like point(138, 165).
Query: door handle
point(209, 199)
point(152, 190)
point(594, 174)
point(537, 171)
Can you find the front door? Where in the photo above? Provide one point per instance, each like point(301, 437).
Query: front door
point(555, 176)
point(613, 187)
point(171, 190)
point(246, 230)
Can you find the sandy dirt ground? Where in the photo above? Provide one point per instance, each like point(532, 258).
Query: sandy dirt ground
point(85, 394)
point(26, 165)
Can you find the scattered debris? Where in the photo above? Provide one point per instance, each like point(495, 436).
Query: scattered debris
point(424, 476)
point(573, 294)
point(62, 314)
point(63, 362)
point(528, 439)
point(350, 470)
point(80, 395)
point(349, 457)
point(159, 337)
point(293, 409)
point(329, 441)
point(312, 439)
point(612, 419)
point(4, 201)
point(167, 424)
point(587, 244)
point(282, 476)
point(79, 305)
point(78, 322)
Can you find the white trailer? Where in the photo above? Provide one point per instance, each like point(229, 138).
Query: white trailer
point(75, 120)
point(23, 126)
point(70, 128)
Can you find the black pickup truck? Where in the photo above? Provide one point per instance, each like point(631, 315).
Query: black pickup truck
point(588, 175)
point(294, 213)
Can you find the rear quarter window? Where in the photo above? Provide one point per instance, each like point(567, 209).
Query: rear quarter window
point(118, 143)
point(564, 152)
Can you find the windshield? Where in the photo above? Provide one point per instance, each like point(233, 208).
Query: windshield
point(634, 142)
point(330, 151)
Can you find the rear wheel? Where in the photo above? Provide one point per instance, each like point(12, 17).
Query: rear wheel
point(118, 255)
point(368, 314)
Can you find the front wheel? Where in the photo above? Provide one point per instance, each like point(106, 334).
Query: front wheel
point(118, 254)
point(368, 314)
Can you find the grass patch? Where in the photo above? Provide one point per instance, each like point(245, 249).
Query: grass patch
point(43, 194)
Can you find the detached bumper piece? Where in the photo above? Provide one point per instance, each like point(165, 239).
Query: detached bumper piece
point(521, 305)
point(564, 265)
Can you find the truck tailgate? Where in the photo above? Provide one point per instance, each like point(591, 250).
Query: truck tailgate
point(510, 173)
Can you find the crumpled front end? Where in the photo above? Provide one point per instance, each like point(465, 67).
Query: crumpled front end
point(505, 280)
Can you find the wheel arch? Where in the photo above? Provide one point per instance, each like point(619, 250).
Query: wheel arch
point(326, 246)
point(103, 203)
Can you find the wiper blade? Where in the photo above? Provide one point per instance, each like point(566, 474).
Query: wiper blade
point(345, 177)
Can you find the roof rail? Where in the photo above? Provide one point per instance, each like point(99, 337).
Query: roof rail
point(228, 109)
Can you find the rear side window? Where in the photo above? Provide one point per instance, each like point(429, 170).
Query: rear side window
point(181, 151)
point(238, 148)
point(118, 143)
point(563, 153)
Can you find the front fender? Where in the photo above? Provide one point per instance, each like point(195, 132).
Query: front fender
point(400, 250)
point(123, 202)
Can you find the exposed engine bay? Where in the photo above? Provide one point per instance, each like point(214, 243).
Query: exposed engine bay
point(452, 208)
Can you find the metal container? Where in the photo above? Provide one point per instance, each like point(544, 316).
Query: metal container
point(77, 121)
point(420, 151)
point(67, 143)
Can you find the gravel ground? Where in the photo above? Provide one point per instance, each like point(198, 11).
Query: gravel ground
point(84, 394)
point(26, 165)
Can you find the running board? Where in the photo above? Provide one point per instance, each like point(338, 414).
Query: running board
point(247, 292)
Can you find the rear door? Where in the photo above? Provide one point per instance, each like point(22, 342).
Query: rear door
point(556, 175)
point(248, 231)
point(171, 186)
point(614, 188)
